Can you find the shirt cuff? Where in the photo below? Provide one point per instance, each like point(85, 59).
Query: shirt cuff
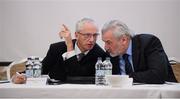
point(68, 55)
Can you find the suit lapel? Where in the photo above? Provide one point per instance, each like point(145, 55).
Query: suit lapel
point(115, 63)
point(136, 51)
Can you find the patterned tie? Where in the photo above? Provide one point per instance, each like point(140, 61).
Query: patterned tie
point(80, 56)
point(128, 66)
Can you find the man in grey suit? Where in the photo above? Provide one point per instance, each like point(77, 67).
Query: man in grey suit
point(142, 56)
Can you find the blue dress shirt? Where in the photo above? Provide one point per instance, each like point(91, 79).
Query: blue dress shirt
point(122, 61)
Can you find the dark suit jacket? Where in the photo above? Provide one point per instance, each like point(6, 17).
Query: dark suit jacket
point(57, 68)
point(149, 60)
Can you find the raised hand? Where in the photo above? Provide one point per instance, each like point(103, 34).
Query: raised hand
point(66, 34)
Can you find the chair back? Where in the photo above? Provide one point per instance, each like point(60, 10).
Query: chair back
point(176, 70)
point(16, 66)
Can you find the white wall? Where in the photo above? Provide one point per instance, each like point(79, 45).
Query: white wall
point(28, 27)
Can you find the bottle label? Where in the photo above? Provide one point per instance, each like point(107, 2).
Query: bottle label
point(100, 77)
point(29, 73)
point(99, 72)
point(37, 73)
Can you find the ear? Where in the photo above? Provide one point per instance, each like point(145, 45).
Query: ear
point(124, 39)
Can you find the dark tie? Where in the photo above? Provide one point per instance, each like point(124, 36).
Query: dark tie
point(128, 66)
point(80, 56)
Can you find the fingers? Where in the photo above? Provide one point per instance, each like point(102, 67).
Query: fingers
point(64, 33)
point(63, 30)
point(19, 78)
point(65, 27)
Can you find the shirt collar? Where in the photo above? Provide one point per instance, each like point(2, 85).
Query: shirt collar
point(78, 51)
point(129, 50)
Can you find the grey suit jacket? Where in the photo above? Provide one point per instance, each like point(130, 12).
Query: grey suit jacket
point(150, 61)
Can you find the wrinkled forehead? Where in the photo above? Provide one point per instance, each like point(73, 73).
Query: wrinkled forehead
point(108, 35)
point(89, 27)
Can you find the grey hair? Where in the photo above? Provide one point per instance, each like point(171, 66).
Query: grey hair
point(80, 23)
point(118, 28)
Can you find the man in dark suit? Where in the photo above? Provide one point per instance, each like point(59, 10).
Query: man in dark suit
point(142, 56)
point(74, 58)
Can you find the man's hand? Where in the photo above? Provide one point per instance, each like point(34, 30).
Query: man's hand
point(19, 78)
point(65, 33)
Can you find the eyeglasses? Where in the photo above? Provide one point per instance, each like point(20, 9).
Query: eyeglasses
point(89, 35)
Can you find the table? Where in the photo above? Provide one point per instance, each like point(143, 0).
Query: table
point(17, 91)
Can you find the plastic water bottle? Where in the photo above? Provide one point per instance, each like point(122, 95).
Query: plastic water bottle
point(29, 68)
point(108, 68)
point(100, 75)
point(37, 68)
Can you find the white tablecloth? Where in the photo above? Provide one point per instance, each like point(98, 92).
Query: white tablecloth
point(9, 90)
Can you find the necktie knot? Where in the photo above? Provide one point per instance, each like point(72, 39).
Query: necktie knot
point(80, 56)
point(125, 56)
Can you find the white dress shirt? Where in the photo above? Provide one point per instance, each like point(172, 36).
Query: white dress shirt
point(70, 54)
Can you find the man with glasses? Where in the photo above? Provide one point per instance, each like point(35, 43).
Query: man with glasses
point(74, 58)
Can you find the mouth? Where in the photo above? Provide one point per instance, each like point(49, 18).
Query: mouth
point(90, 45)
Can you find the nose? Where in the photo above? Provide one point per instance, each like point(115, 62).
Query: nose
point(91, 38)
point(106, 47)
